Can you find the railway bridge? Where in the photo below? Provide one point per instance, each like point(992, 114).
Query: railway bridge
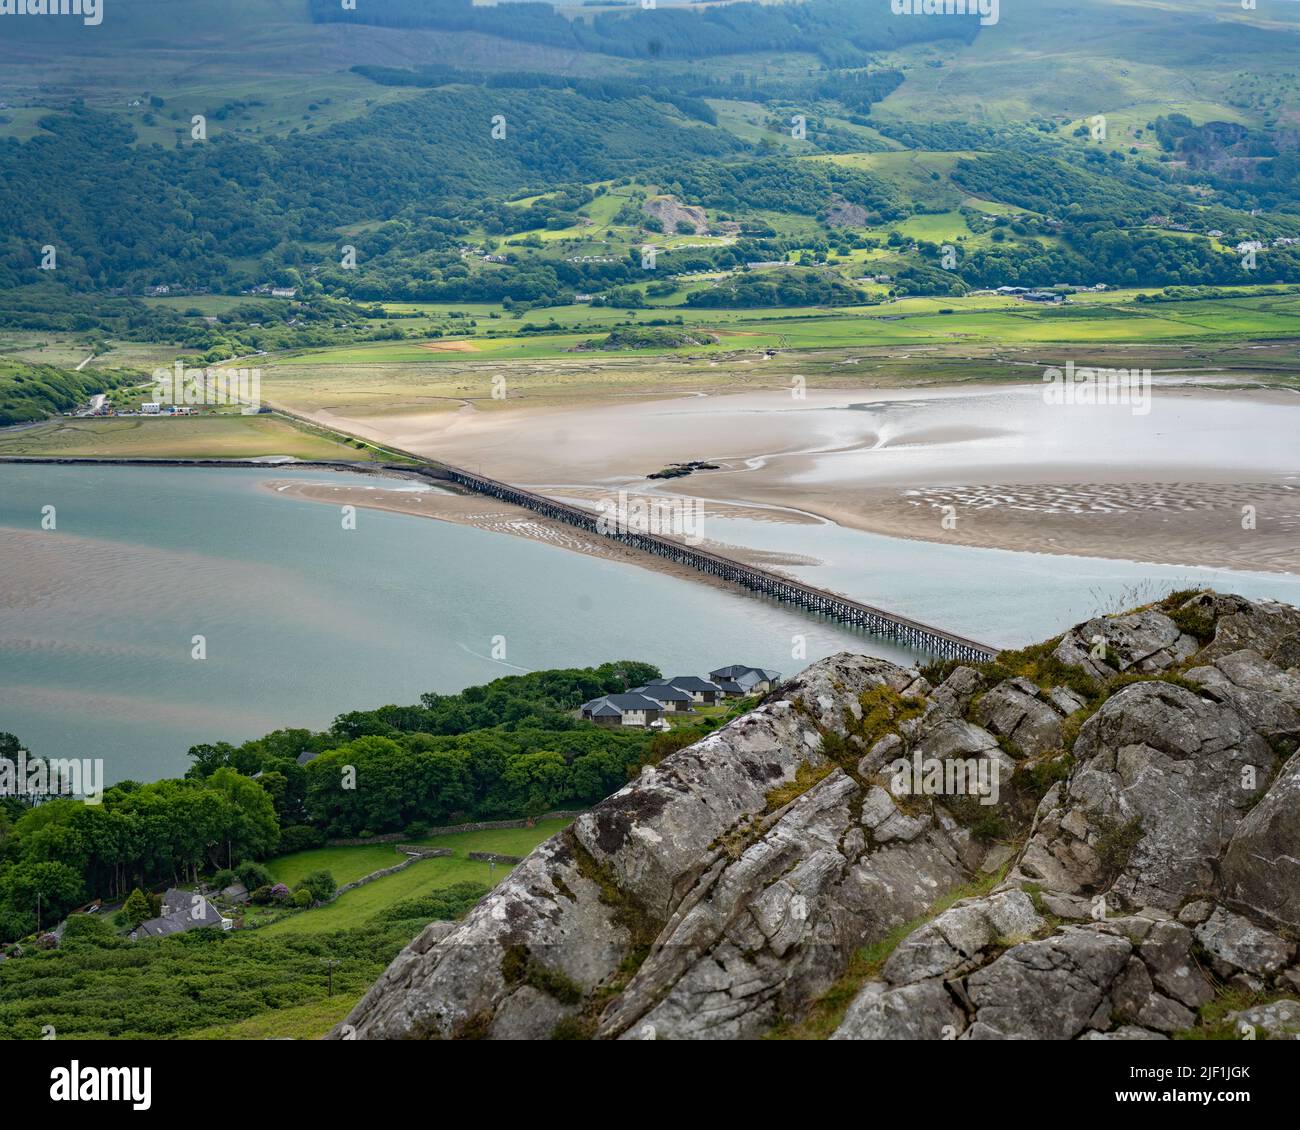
point(876, 621)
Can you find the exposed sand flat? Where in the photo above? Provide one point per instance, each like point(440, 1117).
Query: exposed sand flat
point(1190, 523)
point(501, 517)
point(1167, 484)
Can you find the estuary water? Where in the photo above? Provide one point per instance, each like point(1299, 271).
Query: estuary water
point(172, 606)
point(302, 619)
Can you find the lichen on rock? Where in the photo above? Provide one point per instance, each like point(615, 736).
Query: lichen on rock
point(1141, 858)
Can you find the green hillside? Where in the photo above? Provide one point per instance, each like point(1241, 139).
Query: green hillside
point(530, 156)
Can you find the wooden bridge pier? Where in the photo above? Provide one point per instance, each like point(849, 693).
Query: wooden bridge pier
point(875, 621)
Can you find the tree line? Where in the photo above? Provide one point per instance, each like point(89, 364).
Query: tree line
point(514, 747)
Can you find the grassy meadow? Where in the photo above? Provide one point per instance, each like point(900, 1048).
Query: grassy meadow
point(182, 437)
point(347, 864)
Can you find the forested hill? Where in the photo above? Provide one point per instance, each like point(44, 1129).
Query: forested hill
point(513, 747)
point(123, 207)
point(842, 32)
point(32, 392)
point(527, 154)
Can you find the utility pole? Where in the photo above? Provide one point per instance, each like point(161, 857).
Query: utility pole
point(329, 964)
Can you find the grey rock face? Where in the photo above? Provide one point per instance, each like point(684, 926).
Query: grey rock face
point(1279, 1019)
point(690, 906)
point(746, 914)
point(1261, 871)
point(1127, 1032)
point(1046, 990)
point(925, 1010)
point(1147, 642)
point(1017, 711)
point(954, 695)
point(1266, 696)
point(960, 934)
point(1263, 626)
point(1159, 802)
point(772, 928)
point(1166, 950)
point(1165, 1015)
point(1234, 944)
point(1162, 780)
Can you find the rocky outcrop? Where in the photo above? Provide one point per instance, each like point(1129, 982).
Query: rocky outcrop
point(1146, 642)
point(1261, 870)
point(1162, 779)
point(1116, 805)
point(1029, 718)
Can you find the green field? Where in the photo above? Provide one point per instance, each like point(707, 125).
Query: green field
point(347, 864)
point(353, 908)
point(298, 1022)
point(977, 319)
point(181, 437)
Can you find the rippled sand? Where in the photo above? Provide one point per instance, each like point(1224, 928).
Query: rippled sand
point(1168, 486)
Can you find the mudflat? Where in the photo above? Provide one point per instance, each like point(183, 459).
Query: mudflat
point(1197, 475)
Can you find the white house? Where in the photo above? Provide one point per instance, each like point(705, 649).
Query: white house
point(701, 690)
point(672, 699)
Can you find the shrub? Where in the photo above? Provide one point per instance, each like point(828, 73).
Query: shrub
point(319, 884)
point(300, 837)
point(1196, 620)
point(1116, 841)
point(137, 908)
point(253, 875)
point(224, 878)
point(302, 898)
point(89, 930)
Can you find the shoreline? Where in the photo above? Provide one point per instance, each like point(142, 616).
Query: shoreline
point(888, 461)
point(495, 516)
point(912, 514)
point(519, 522)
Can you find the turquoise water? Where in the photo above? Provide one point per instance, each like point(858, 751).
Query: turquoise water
point(303, 620)
point(1000, 597)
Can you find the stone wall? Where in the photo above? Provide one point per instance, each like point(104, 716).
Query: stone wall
point(493, 857)
point(418, 853)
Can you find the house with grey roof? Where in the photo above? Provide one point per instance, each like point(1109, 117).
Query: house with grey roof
point(181, 911)
point(748, 680)
point(674, 700)
point(701, 690)
point(623, 710)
